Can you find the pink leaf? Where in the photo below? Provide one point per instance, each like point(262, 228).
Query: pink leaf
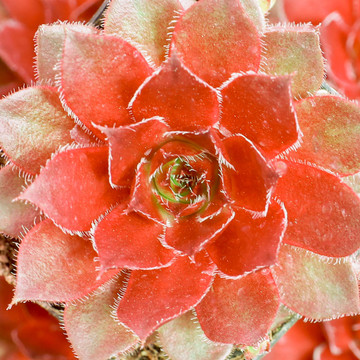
point(145, 23)
point(72, 181)
point(323, 213)
point(128, 240)
point(14, 216)
point(251, 108)
point(164, 294)
point(104, 338)
point(248, 182)
point(314, 288)
point(34, 125)
point(248, 243)
point(202, 27)
point(54, 266)
point(239, 311)
point(99, 75)
point(177, 95)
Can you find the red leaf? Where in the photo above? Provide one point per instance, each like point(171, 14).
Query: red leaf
point(239, 311)
point(323, 213)
point(104, 338)
point(247, 243)
point(248, 182)
point(314, 288)
point(331, 133)
point(128, 240)
point(134, 141)
point(73, 189)
point(14, 216)
point(98, 70)
point(190, 234)
point(186, 103)
point(251, 108)
point(33, 126)
point(54, 266)
point(164, 294)
point(200, 42)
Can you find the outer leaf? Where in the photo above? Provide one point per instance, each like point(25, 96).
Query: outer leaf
point(177, 95)
point(182, 338)
point(16, 48)
point(72, 181)
point(98, 70)
point(54, 266)
point(294, 51)
point(14, 216)
point(104, 336)
point(331, 128)
point(146, 23)
point(34, 125)
point(248, 182)
point(200, 42)
point(164, 294)
point(323, 213)
point(134, 141)
point(251, 108)
point(247, 243)
point(128, 240)
point(254, 11)
point(190, 234)
point(50, 41)
point(313, 288)
point(239, 311)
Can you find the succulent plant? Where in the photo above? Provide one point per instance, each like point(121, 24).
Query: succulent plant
point(184, 171)
point(19, 20)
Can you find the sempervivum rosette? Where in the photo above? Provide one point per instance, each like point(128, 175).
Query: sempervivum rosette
point(178, 181)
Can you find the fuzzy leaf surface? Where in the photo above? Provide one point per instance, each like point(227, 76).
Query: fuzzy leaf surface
point(177, 95)
point(239, 311)
point(331, 128)
point(93, 318)
point(251, 107)
point(128, 240)
point(249, 181)
point(323, 213)
point(14, 215)
point(314, 288)
point(294, 51)
point(145, 23)
point(190, 234)
point(248, 243)
point(34, 125)
point(72, 181)
point(50, 41)
point(200, 42)
point(182, 338)
point(54, 266)
point(164, 294)
point(99, 75)
point(128, 144)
